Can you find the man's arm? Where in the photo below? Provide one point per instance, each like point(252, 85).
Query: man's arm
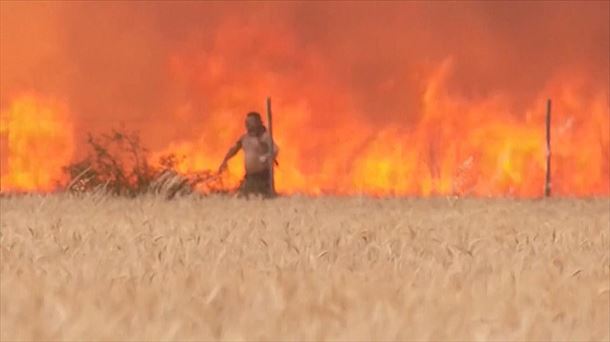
point(230, 154)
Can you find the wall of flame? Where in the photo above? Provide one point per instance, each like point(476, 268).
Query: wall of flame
point(376, 98)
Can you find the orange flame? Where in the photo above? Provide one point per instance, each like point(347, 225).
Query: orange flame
point(37, 141)
point(459, 146)
point(187, 91)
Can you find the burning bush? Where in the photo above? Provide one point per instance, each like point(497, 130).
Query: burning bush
point(118, 164)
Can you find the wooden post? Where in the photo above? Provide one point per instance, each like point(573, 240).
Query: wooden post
point(547, 183)
point(271, 150)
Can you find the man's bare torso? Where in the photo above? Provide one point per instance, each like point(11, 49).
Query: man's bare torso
point(254, 148)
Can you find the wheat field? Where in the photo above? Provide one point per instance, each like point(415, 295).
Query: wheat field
point(297, 268)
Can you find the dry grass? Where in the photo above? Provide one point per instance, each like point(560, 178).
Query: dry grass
point(96, 268)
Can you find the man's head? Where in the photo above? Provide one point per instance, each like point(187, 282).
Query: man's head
point(254, 124)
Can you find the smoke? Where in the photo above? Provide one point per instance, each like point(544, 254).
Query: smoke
point(110, 59)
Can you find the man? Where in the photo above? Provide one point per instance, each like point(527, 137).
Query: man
point(256, 144)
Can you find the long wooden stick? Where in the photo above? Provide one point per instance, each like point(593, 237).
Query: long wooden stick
point(547, 183)
point(272, 148)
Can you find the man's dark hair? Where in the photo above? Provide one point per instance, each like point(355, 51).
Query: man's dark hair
point(255, 115)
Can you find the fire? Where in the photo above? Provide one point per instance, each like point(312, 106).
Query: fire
point(194, 159)
point(367, 99)
point(459, 146)
point(37, 141)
